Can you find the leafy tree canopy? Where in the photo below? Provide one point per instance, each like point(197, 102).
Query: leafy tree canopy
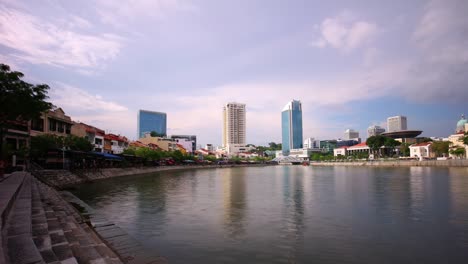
point(19, 99)
point(156, 134)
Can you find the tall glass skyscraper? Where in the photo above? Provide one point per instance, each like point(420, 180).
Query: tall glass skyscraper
point(149, 121)
point(291, 126)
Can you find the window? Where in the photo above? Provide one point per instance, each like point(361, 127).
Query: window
point(37, 124)
point(52, 125)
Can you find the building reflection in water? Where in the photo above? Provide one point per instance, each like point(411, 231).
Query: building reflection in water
point(292, 234)
point(234, 195)
point(459, 204)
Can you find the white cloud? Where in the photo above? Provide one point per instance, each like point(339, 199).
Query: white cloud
point(94, 109)
point(38, 41)
point(344, 32)
point(120, 13)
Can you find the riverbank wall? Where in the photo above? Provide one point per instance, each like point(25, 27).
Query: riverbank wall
point(399, 163)
point(63, 179)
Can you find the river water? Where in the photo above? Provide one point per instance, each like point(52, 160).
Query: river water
point(292, 214)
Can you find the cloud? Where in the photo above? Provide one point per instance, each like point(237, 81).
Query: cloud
point(120, 13)
point(94, 109)
point(35, 40)
point(344, 32)
point(440, 40)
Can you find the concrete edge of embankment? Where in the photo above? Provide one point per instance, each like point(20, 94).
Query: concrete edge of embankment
point(126, 247)
point(412, 163)
point(65, 179)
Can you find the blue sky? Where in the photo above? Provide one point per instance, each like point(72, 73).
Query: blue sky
point(351, 63)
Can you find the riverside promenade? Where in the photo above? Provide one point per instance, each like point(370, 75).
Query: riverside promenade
point(39, 226)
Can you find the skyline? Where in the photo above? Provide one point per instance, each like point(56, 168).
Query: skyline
point(351, 65)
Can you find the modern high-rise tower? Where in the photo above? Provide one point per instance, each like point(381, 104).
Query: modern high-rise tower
point(233, 124)
point(396, 123)
point(351, 134)
point(291, 126)
point(149, 121)
point(374, 131)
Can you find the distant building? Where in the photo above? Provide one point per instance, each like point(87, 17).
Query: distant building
point(52, 122)
point(422, 150)
point(374, 131)
point(186, 144)
point(115, 144)
point(396, 123)
point(461, 125)
point(164, 144)
point(93, 134)
point(291, 126)
point(149, 121)
point(192, 138)
point(351, 134)
point(455, 139)
point(234, 124)
point(311, 143)
point(209, 147)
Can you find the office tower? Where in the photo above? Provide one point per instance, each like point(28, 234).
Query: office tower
point(374, 131)
point(396, 123)
point(234, 124)
point(291, 126)
point(149, 121)
point(351, 134)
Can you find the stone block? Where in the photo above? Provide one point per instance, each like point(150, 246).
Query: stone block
point(42, 242)
point(62, 251)
point(57, 238)
point(21, 249)
point(48, 256)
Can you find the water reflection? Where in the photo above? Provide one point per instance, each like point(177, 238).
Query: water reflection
point(292, 232)
point(234, 196)
point(293, 214)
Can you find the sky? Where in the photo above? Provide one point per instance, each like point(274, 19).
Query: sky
point(352, 64)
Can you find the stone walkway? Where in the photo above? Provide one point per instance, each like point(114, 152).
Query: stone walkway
point(38, 226)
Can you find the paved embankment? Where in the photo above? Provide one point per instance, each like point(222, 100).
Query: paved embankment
point(63, 178)
point(399, 163)
point(39, 226)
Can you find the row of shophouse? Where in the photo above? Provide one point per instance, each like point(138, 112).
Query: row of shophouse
point(56, 122)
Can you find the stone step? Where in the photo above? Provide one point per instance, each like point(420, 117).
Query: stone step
point(20, 245)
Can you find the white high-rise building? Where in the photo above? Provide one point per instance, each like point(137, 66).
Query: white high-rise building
point(234, 124)
point(396, 123)
point(374, 131)
point(311, 143)
point(351, 134)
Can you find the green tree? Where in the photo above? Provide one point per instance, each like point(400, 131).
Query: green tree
point(19, 100)
point(440, 148)
point(391, 144)
point(375, 142)
point(459, 152)
point(77, 143)
point(464, 139)
point(404, 149)
point(156, 134)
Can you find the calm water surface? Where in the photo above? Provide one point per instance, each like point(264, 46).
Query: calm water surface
point(293, 214)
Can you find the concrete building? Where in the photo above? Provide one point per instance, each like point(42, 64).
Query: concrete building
point(234, 124)
point(291, 126)
point(192, 138)
point(422, 150)
point(351, 134)
point(455, 139)
point(374, 131)
point(186, 144)
point(311, 143)
point(210, 147)
point(341, 151)
point(115, 144)
point(164, 144)
point(149, 121)
point(93, 134)
point(54, 122)
point(396, 123)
